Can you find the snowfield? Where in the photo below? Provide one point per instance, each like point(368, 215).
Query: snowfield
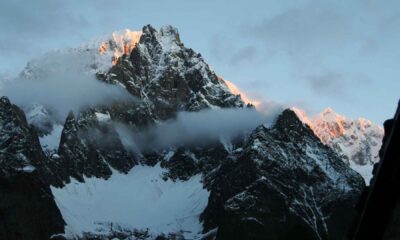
point(140, 199)
point(51, 141)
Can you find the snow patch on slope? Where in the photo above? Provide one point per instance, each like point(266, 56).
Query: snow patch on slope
point(51, 141)
point(138, 200)
point(364, 170)
point(103, 117)
point(168, 39)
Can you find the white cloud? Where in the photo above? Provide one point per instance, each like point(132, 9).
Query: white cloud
point(196, 128)
point(62, 82)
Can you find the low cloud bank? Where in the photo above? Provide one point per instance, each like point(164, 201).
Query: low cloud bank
point(62, 81)
point(195, 128)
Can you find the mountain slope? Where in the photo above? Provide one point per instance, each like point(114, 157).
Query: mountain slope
point(284, 183)
point(27, 207)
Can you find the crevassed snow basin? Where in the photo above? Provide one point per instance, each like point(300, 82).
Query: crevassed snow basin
point(140, 199)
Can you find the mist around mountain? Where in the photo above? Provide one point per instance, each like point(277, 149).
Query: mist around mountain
point(136, 137)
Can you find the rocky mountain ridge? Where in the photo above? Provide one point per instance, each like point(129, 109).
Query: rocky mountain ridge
point(309, 189)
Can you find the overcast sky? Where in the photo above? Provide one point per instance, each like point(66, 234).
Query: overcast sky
point(309, 54)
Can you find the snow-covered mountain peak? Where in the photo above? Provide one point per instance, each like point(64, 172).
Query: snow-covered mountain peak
point(108, 49)
point(330, 116)
point(328, 125)
point(166, 38)
point(356, 141)
point(161, 69)
point(169, 30)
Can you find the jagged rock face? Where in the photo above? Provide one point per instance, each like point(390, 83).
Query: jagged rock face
point(19, 144)
point(188, 160)
point(89, 146)
point(285, 184)
point(169, 77)
point(182, 164)
point(165, 77)
point(27, 208)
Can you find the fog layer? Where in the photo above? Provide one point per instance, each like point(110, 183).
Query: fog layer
point(195, 128)
point(61, 81)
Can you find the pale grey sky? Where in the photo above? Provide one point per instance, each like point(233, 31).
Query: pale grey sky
point(309, 54)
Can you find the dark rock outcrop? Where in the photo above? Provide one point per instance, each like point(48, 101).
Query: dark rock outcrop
point(90, 146)
point(27, 207)
point(19, 142)
point(379, 207)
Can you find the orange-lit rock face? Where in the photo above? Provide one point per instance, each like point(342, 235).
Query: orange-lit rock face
point(103, 48)
point(121, 43)
point(235, 90)
point(116, 56)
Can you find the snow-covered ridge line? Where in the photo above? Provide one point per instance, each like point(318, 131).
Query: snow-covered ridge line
point(235, 90)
